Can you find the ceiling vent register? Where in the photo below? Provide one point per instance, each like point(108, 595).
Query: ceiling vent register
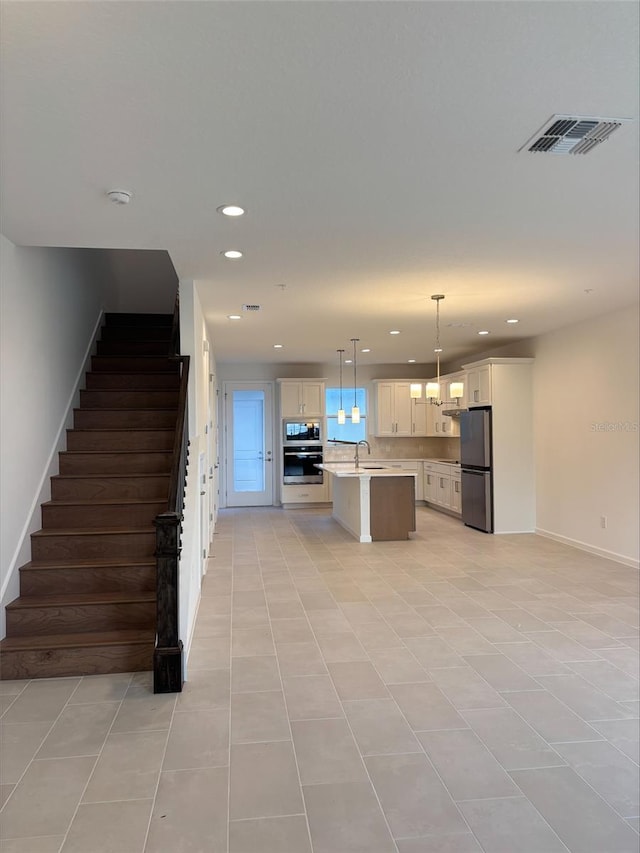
point(250, 307)
point(572, 134)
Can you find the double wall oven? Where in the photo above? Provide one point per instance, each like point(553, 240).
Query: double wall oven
point(301, 452)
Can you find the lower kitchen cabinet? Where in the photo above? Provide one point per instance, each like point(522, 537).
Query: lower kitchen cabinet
point(456, 493)
point(304, 493)
point(442, 486)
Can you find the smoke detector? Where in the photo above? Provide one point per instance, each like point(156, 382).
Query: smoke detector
point(565, 134)
point(119, 196)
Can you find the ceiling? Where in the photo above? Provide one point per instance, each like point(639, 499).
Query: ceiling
point(374, 146)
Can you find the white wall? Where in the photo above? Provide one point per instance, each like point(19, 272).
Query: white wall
point(586, 434)
point(197, 507)
point(51, 301)
point(140, 280)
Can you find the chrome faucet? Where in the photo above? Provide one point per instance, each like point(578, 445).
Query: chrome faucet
point(364, 443)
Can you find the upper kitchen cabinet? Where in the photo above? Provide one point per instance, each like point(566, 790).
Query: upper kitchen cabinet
point(301, 397)
point(492, 381)
point(396, 413)
point(478, 385)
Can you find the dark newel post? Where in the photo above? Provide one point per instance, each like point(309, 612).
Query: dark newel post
point(168, 656)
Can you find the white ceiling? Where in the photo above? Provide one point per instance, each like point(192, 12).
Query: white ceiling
point(373, 144)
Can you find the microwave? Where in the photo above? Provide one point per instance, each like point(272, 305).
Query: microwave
point(297, 431)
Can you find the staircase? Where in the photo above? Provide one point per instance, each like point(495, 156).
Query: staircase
point(87, 601)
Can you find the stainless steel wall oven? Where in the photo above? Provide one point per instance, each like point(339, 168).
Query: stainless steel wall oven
point(298, 464)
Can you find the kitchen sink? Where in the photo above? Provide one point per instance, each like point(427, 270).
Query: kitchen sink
point(373, 467)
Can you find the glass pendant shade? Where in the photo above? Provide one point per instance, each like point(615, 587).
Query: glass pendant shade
point(415, 390)
point(355, 415)
point(341, 416)
point(456, 390)
point(433, 390)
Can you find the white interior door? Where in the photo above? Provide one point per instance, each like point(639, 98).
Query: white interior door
point(249, 443)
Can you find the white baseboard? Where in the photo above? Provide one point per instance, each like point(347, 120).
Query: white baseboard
point(43, 492)
point(583, 546)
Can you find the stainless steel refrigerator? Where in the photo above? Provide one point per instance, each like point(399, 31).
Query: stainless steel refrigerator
point(475, 462)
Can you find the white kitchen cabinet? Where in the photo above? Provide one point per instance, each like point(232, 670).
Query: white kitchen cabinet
point(420, 417)
point(456, 493)
point(430, 485)
point(444, 490)
point(442, 486)
point(301, 397)
point(394, 409)
point(479, 386)
point(305, 493)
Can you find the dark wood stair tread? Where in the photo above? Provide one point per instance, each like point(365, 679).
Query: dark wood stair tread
point(108, 502)
point(121, 429)
point(90, 531)
point(97, 563)
point(123, 476)
point(86, 639)
point(137, 373)
point(80, 598)
point(117, 452)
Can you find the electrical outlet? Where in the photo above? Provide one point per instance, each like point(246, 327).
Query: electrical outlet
point(603, 522)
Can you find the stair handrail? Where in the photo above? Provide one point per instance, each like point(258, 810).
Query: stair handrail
point(168, 664)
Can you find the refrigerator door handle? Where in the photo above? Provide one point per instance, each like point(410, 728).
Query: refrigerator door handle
point(487, 438)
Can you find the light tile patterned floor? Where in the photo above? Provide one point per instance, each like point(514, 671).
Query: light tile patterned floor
point(451, 694)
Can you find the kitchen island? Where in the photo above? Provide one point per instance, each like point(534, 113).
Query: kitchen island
point(374, 503)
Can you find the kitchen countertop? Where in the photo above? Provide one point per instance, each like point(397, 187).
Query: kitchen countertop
point(367, 469)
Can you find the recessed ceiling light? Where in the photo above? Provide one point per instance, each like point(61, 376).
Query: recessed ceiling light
point(230, 210)
point(438, 349)
point(513, 320)
point(411, 360)
point(394, 332)
point(232, 253)
point(348, 361)
point(483, 332)
point(277, 346)
point(234, 317)
point(365, 350)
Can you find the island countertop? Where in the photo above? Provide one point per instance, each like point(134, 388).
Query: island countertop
point(348, 469)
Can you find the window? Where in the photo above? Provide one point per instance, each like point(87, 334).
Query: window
point(347, 431)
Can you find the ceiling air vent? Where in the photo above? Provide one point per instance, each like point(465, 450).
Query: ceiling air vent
point(250, 307)
point(572, 134)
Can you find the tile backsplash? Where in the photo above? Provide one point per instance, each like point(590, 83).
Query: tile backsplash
point(398, 448)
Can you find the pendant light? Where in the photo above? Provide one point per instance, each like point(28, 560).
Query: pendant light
point(433, 388)
point(341, 412)
point(355, 411)
point(456, 391)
